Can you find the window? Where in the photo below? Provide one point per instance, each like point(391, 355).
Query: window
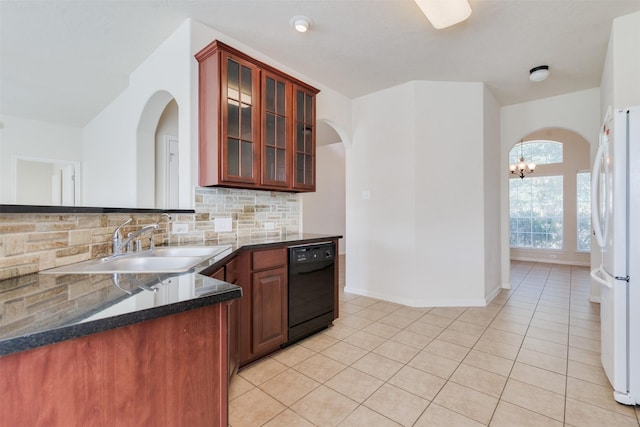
point(538, 152)
point(583, 221)
point(535, 212)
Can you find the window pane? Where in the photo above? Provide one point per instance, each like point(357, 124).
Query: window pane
point(245, 122)
point(247, 159)
point(233, 79)
point(535, 211)
point(246, 85)
point(233, 118)
point(538, 152)
point(271, 94)
point(233, 157)
point(583, 220)
point(281, 95)
point(271, 129)
point(281, 165)
point(280, 132)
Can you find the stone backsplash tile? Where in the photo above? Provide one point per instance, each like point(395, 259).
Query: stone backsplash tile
point(33, 242)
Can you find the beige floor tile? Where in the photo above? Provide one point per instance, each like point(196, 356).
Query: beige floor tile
point(580, 414)
point(289, 387)
point(584, 343)
point(425, 329)
point(318, 342)
point(354, 322)
point(238, 386)
point(412, 339)
point(558, 337)
point(324, 407)
point(503, 336)
point(385, 306)
point(434, 364)
point(459, 338)
point(354, 384)
point(293, 355)
point(253, 408)
point(434, 320)
point(546, 347)
point(535, 399)
point(263, 370)
point(479, 379)
point(497, 348)
point(489, 362)
point(288, 418)
point(596, 395)
point(588, 324)
point(544, 361)
point(364, 340)
point(395, 351)
point(396, 321)
point(584, 356)
point(370, 314)
point(417, 382)
point(381, 330)
point(450, 312)
point(344, 352)
point(365, 417)
point(319, 367)
point(540, 378)
point(447, 349)
point(468, 402)
point(413, 313)
point(363, 301)
point(438, 416)
point(516, 318)
point(378, 366)
point(582, 371)
point(508, 326)
point(399, 405)
point(482, 319)
point(467, 328)
point(348, 308)
point(339, 331)
point(548, 325)
point(509, 415)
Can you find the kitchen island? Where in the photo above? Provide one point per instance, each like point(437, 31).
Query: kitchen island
point(119, 349)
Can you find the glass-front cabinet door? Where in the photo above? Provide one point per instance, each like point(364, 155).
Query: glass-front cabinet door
point(276, 135)
point(241, 118)
point(304, 174)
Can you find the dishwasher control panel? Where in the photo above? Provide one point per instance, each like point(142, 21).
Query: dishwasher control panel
point(312, 253)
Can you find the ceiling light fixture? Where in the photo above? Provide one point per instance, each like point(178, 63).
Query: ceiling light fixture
point(300, 23)
point(522, 166)
point(539, 73)
point(443, 14)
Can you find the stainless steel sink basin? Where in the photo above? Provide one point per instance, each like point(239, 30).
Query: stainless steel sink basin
point(176, 259)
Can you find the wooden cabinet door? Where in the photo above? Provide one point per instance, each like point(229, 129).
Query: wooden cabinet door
point(240, 132)
point(269, 300)
point(304, 140)
point(276, 130)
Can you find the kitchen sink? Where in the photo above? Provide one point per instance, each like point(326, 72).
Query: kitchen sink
point(177, 259)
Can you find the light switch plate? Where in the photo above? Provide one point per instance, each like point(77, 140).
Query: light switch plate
point(222, 225)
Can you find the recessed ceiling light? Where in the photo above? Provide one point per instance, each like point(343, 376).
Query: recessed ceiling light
point(443, 14)
point(539, 73)
point(300, 23)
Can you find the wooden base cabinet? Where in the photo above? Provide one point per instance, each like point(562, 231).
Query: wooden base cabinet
point(170, 371)
point(263, 307)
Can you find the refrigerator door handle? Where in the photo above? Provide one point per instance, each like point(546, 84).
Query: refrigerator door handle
point(607, 280)
point(595, 212)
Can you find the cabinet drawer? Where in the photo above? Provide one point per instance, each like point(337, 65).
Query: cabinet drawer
point(268, 258)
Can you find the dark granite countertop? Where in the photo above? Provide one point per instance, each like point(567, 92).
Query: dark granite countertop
point(41, 309)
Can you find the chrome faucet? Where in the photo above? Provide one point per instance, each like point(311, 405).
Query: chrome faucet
point(121, 246)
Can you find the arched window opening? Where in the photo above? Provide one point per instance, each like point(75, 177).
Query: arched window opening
point(540, 152)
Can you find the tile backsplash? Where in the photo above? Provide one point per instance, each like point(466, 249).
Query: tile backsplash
point(33, 242)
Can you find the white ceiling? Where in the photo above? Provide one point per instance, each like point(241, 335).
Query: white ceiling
point(63, 61)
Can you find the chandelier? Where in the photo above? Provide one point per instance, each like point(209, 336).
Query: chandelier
point(522, 166)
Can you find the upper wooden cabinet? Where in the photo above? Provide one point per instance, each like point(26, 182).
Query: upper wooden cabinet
point(257, 124)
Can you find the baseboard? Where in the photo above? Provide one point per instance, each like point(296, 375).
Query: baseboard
point(410, 302)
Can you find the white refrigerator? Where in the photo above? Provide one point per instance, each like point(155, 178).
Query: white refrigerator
point(615, 202)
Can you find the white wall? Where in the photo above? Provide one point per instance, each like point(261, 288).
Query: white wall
point(492, 202)
point(110, 139)
point(578, 111)
point(34, 139)
point(324, 211)
point(419, 238)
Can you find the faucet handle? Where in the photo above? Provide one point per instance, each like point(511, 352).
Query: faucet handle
point(116, 233)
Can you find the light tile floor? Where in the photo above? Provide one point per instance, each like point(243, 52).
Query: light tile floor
point(530, 358)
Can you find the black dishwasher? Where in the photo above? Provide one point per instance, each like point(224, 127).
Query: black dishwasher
point(311, 288)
